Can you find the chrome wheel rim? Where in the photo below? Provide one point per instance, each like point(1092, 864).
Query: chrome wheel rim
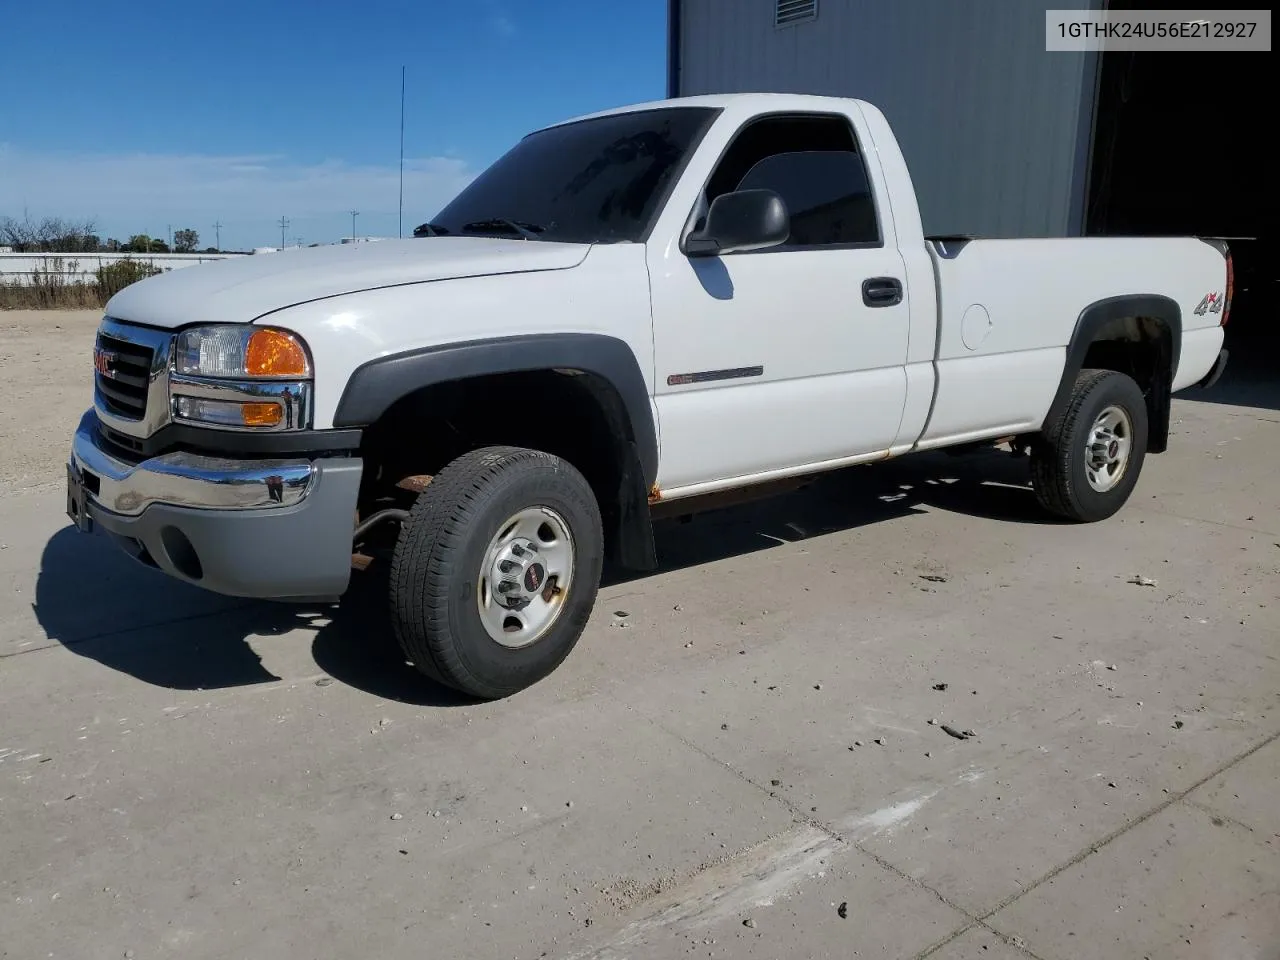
point(1108, 449)
point(525, 577)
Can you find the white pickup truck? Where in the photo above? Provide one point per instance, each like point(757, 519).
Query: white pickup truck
point(635, 311)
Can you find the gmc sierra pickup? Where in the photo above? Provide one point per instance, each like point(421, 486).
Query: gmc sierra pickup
point(636, 311)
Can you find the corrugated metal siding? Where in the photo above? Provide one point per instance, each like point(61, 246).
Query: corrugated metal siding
point(989, 121)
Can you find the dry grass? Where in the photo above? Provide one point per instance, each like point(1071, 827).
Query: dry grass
point(74, 296)
point(59, 286)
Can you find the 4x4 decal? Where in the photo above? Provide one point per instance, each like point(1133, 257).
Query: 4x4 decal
point(1212, 303)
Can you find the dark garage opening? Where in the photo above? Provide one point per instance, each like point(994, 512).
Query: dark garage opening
point(1179, 147)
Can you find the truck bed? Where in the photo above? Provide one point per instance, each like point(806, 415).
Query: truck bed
point(1007, 310)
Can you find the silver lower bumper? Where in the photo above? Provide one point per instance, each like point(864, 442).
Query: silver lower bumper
point(275, 529)
point(186, 479)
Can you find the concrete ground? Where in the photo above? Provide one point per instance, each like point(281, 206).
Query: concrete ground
point(738, 760)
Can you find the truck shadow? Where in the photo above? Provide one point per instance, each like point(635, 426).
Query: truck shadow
point(169, 634)
point(1252, 377)
point(1251, 382)
point(103, 606)
point(988, 484)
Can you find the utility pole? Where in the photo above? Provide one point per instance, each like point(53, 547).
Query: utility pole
point(170, 228)
point(402, 152)
point(284, 225)
point(354, 214)
point(217, 232)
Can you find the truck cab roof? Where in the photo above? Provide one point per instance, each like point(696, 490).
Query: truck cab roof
point(745, 104)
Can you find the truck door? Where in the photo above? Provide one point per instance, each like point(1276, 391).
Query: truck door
point(791, 356)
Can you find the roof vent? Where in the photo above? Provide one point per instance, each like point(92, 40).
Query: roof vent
point(786, 12)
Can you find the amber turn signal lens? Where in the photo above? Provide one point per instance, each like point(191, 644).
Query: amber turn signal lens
point(261, 414)
point(274, 353)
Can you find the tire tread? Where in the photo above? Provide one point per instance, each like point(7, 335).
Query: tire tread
point(426, 554)
point(1053, 456)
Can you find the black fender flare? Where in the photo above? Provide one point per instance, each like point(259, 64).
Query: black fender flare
point(1092, 320)
point(379, 383)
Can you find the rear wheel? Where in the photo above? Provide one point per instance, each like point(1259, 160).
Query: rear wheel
point(1085, 466)
point(496, 570)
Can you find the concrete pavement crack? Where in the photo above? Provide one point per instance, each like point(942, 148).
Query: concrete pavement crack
point(801, 817)
point(104, 634)
point(1143, 508)
point(1120, 831)
point(981, 920)
point(1215, 815)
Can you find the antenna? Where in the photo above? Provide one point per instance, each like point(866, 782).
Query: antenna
point(217, 232)
point(402, 151)
point(354, 214)
point(284, 225)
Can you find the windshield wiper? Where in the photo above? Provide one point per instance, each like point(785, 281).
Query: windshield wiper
point(430, 230)
point(528, 231)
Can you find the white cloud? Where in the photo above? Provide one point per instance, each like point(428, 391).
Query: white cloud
point(149, 193)
point(503, 24)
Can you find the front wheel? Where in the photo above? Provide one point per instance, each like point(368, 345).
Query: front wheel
point(1085, 465)
point(496, 570)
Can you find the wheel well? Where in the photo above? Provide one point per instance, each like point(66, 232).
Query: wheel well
point(577, 416)
point(1141, 348)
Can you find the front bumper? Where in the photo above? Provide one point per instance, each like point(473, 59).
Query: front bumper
point(277, 529)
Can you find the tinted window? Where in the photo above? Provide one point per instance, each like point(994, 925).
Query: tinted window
point(593, 181)
point(813, 163)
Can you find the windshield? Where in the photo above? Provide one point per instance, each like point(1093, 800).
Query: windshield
point(594, 181)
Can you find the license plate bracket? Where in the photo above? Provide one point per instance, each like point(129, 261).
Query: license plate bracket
point(78, 501)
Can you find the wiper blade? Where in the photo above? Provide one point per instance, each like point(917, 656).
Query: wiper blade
point(430, 230)
point(529, 231)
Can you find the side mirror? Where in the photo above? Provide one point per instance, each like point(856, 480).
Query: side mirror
point(739, 222)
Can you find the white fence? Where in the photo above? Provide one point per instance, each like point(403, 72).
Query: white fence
point(19, 268)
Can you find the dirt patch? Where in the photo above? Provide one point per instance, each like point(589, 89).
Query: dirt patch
point(46, 384)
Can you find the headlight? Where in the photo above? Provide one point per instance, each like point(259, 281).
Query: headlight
point(242, 377)
point(240, 351)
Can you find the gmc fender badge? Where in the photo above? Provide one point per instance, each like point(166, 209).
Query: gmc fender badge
point(1212, 303)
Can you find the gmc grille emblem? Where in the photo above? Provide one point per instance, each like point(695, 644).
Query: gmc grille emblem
point(104, 362)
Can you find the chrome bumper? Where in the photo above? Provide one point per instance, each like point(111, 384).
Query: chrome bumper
point(274, 529)
point(185, 479)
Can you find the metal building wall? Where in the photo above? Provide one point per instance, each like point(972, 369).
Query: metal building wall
point(995, 129)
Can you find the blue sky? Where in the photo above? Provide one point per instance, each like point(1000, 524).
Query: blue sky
point(147, 116)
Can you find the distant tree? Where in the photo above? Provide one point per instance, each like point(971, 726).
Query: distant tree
point(50, 235)
point(141, 243)
point(185, 241)
point(210, 249)
point(112, 245)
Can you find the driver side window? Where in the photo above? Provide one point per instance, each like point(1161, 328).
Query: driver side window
point(814, 164)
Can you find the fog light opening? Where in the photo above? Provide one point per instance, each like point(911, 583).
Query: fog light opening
point(180, 553)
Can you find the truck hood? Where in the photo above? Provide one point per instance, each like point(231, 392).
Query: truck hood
point(244, 289)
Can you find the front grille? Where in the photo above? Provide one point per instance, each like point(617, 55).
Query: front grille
point(123, 371)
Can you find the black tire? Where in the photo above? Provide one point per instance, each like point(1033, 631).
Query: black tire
point(440, 551)
point(1060, 456)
